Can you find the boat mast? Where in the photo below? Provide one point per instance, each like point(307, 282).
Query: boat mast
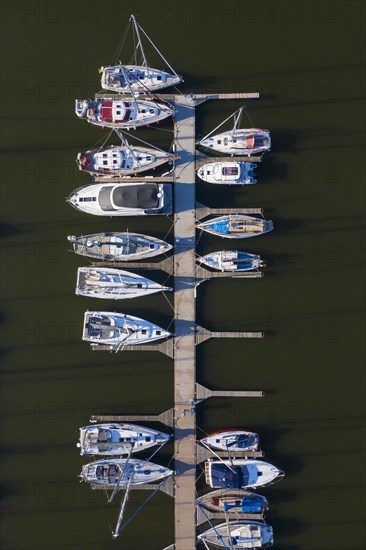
point(237, 119)
point(140, 43)
point(230, 540)
point(118, 482)
point(123, 507)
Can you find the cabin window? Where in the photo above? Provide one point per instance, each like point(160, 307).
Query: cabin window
point(115, 161)
point(105, 162)
point(158, 332)
point(118, 112)
point(219, 142)
point(139, 285)
point(208, 172)
point(143, 110)
point(158, 77)
point(234, 140)
point(105, 155)
point(144, 331)
point(148, 438)
point(147, 472)
point(148, 158)
point(151, 110)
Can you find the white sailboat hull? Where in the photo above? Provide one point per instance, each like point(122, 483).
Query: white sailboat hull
point(232, 441)
point(114, 284)
point(118, 439)
point(242, 535)
point(140, 78)
point(106, 473)
point(117, 330)
point(123, 113)
point(246, 142)
point(122, 160)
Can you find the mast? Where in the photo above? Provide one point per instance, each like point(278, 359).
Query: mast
point(237, 119)
point(140, 42)
point(123, 507)
point(118, 482)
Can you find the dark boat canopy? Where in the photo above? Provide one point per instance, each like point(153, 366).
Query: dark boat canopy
point(229, 478)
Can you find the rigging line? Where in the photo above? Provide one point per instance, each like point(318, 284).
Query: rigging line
point(121, 44)
point(157, 450)
point(201, 430)
point(213, 526)
point(217, 456)
point(142, 141)
point(103, 510)
point(161, 129)
point(221, 124)
point(159, 52)
point(250, 120)
point(199, 477)
point(166, 297)
point(144, 503)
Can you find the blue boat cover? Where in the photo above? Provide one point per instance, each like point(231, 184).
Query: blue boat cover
point(221, 226)
point(249, 505)
point(229, 478)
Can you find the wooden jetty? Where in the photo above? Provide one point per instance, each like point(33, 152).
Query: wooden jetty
point(202, 159)
point(187, 334)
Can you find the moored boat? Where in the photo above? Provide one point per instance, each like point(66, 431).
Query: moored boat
point(243, 534)
point(114, 284)
point(138, 76)
point(236, 226)
point(228, 173)
point(118, 439)
point(240, 473)
point(123, 471)
point(238, 501)
point(233, 440)
point(123, 113)
point(238, 141)
point(117, 330)
point(122, 160)
point(119, 247)
point(232, 260)
point(123, 199)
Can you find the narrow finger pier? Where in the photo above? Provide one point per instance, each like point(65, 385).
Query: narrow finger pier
point(187, 393)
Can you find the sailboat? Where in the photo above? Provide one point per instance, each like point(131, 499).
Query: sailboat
point(117, 330)
point(125, 113)
point(122, 160)
point(232, 260)
point(118, 439)
point(237, 501)
point(238, 141)
point(138, 76)
point(245, 534)
point(236, 226)
point(114, 284)
point(119, 247)
point(233, 440)
point(240, 473)
point(108, 472)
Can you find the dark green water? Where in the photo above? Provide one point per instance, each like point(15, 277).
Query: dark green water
point(306, 59)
